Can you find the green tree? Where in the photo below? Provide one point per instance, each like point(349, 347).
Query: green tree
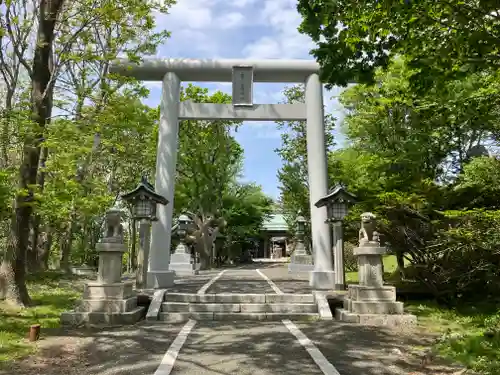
point(440, 38)
point(245, 207)
point(209, 161)
point(66, 68)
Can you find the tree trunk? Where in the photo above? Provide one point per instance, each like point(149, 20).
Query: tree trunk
point(401, 263)
point(33, 260)
point(12, 271)
point(44, 249)
point(66, 245)
point(41, 100)
point(32, 251)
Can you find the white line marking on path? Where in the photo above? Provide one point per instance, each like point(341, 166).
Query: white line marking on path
point(168, 361)
point(270, 282)
point(326, 367)
point(205, 287)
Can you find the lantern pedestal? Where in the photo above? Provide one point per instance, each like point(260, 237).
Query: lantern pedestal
point(300, 260)
point(107, 300)
point(181, 262)
point(370, 302)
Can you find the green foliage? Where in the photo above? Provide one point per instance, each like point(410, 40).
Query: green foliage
point(410, 138)
point(245, 207)
point(442, 39)
point(293, 177)
point(209, 158)
point(478, 185)
point(350, 260)
point(468, 334)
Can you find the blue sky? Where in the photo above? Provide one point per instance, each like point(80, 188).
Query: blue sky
point(256, 29)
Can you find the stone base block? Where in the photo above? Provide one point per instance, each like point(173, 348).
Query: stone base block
point(301, 259)
point(183, 269)
point(161, 279)
point(364, 307)
point(108, 306)
point(79, 318)
point(116, 291)
point(371, 293)
point(393, 321)
point(299, 267)
point(181, 258)
point(322, 280)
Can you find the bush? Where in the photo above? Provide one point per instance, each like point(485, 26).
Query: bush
point(463, 261)
point(350, 260)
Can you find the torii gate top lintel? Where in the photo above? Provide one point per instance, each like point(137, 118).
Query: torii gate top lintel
point(220, 70)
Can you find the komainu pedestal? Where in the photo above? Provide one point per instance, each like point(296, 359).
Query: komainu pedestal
point(107, 300)
point(370, 302)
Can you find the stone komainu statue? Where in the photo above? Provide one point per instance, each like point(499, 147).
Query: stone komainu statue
point(368, 236)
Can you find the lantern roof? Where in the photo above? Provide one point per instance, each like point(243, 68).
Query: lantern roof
point(145, 188)
point(336, 194)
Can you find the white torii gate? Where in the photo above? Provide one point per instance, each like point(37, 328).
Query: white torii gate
point(242, 74)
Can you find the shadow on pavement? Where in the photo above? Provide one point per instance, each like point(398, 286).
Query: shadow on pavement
point(226, 348)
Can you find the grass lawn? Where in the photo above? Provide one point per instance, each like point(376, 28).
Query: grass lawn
point(462, 334)
point(51, 294)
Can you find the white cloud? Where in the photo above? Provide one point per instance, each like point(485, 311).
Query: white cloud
point(230, 20)
point(191, 14)
point(285, 42)
point(241, 3)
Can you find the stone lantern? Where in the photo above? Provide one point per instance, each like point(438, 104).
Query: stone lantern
point(337, 205)
point(143, 201)
point(300, 260)
point(181, 261)
point(108, 300)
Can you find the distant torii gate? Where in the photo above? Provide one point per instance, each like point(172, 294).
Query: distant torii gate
point(242, 74)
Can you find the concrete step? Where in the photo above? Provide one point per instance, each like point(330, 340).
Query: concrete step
point(283, 308)
point(179, 317)
point(239, 298)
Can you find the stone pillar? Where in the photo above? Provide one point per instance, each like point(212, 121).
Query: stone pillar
point(159, 275)
point(143, 254)
point(323, 276)
point(338, 255)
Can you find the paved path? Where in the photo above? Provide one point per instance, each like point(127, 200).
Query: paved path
point(281, 348)
point(240, 348)
point(240, 281)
